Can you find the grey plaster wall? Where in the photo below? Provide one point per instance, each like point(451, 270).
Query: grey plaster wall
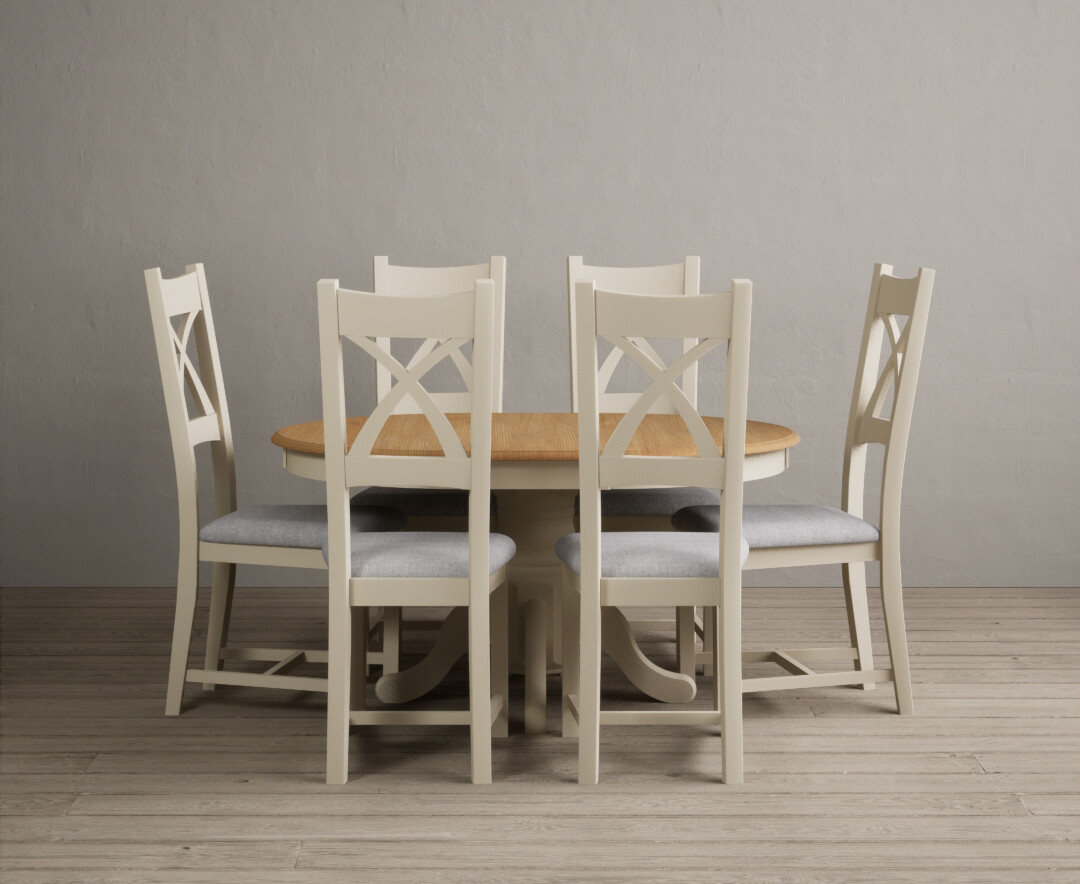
point(791, 143)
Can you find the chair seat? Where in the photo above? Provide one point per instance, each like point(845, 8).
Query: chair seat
point(768, 527)
point(419, 501)
point(650, 501)
point(659, 554)
point(420, 554)
point(302, 526)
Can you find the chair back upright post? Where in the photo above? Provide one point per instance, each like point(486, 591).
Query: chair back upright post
point(890, 297)
point(186, 297)
point(414, 282)
point(372, 321)
point(667, 279)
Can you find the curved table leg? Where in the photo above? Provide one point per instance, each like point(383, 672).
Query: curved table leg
point(450, 646)
point(535, 519)
point(617, 640)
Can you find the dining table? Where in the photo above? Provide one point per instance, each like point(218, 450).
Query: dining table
point(534, 474)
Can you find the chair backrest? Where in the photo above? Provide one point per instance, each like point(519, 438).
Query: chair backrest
point(621, 318)
point(427, 282)
point(892, 299)
point(667, 279)
point(180, 314)
point(365, 318)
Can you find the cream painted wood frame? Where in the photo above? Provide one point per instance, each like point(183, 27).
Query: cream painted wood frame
point(890, 297)
point(429, 282)
point(455, 319)
point(186, 297)
point(620, 318)
point(665, 279)
point(426, 282)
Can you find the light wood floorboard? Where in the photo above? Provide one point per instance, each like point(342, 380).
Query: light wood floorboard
point(982, 785)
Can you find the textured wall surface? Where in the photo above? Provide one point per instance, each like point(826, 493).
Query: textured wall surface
point(794, 144)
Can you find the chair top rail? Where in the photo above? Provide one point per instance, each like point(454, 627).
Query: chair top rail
point(367, 315)
point(666, 279)
point(412, 282)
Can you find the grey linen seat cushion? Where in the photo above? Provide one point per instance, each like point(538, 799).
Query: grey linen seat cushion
point(653, 554)
point(650, 501)
point(302, 526)
point(420, 554)
point(770, 526)
point(419, 501)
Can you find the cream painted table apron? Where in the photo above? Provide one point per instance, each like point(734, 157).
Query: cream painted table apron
point(535, 474)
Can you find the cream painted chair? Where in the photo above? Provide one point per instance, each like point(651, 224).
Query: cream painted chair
point(645, 509)
point(791, 536)
point(439, 508)
point(413, 568)
point(656, 568)
point(431, 509)
point(282, 535)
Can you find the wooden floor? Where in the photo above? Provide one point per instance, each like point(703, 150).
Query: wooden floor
point(983, 784)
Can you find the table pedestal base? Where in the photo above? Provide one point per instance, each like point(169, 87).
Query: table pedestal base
point(536, 519)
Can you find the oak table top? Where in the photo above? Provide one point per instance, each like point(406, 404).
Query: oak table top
point(537, 436)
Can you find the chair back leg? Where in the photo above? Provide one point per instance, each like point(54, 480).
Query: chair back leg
point(854, 574)
point(686, 640)
point(187, 590)
point(892, 601)
point(391, 640)
point(361, 632)
point(217, 630)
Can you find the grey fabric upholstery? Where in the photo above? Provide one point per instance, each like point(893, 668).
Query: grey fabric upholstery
point(767, 527)
point(302, 526)
point(421, 554)
point(650, 501)
point(659, 554)
point(419, 501)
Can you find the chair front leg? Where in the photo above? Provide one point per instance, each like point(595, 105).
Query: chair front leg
point(187, 590)
point(854, 574)
point(217, 630)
